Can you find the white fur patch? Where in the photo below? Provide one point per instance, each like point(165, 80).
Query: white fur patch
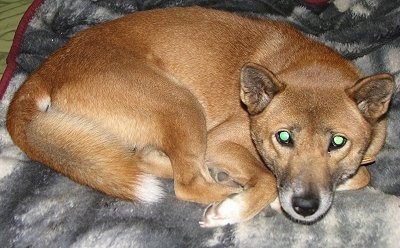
point(44, 103)
point(223, 213)
point(149, 189)
point(276, 205)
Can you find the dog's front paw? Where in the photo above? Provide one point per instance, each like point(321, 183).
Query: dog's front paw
point(222, 213)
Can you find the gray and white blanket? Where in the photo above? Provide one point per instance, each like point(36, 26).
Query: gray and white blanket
point(40, 208)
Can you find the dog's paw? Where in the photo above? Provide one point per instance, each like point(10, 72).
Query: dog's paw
point(222, 213)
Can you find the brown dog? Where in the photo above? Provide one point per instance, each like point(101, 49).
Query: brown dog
point(173, 92)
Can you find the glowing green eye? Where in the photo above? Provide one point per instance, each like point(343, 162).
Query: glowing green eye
point(337, 142)
point(284, 137)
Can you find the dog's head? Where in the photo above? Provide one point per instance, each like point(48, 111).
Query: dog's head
point(313, 136)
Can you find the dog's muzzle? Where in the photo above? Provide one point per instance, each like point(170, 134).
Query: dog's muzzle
point(306, 207)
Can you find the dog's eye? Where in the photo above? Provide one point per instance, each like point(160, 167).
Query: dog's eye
point(337, 141)
point(284, 138)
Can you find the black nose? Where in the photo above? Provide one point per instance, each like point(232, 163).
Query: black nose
point(305, 205)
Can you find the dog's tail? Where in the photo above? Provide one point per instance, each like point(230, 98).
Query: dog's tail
point(76, 147)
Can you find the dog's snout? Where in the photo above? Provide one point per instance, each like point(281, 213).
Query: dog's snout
point(305, 205)
point(305, 202)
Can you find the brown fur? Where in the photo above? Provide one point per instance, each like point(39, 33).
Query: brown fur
point(159, 92)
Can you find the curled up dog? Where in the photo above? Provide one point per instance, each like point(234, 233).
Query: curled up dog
point(177, 93)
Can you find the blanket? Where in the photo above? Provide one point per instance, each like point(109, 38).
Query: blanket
point(41, 208)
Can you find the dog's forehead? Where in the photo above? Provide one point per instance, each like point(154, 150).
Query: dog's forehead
point(315, 99)
point(321, 74)
point(314, 108)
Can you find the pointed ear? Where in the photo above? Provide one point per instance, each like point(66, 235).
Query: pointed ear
point(372, 95)
point(258, 87)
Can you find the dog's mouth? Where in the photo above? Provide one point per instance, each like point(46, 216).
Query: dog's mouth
point(306, 208)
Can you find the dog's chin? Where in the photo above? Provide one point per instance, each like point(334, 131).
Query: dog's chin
point(285, 199)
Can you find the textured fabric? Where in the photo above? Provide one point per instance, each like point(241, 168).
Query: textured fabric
point(40, 208)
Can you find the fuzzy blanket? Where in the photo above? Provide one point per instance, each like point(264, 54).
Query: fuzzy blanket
point(40, 208)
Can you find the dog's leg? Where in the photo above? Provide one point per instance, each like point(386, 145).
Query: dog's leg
point(181, 152)
point(90, 155)
point(358, 181)
point(258, 182)
point(259, 186)
point(76, 146)
point(192, 181)
point(155, 162)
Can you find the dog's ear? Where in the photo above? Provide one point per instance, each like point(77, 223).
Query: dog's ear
point(372, 95)
point(258, 87)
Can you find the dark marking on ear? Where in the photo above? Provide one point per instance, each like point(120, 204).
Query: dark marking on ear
point(373, 94)
point(258, 87)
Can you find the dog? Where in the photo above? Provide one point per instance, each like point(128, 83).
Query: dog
point(237, 111)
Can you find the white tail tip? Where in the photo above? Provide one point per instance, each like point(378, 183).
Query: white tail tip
point(149, 189)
